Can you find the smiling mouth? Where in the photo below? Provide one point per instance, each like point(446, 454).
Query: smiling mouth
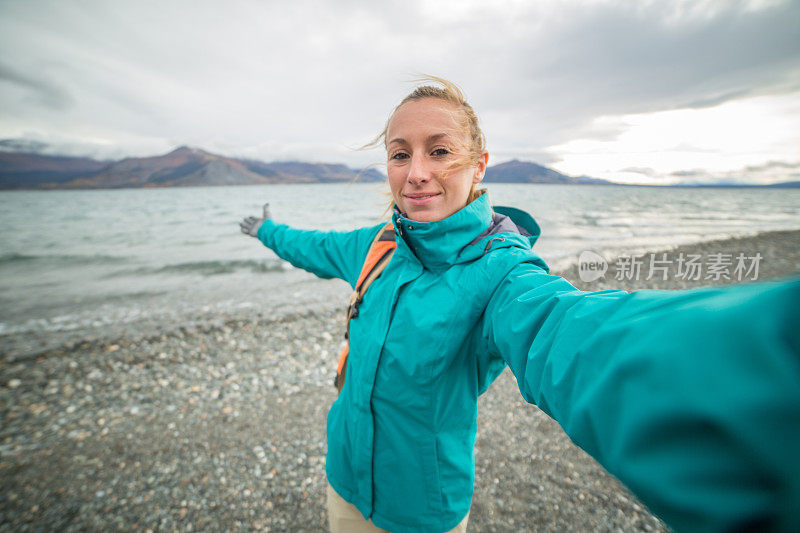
point(421, 196)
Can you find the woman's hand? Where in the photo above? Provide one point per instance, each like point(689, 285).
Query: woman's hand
point(250, 225)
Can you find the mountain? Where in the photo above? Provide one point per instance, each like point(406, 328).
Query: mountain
point(516, 171)
point(183, 167)
point(301, 172)
point(20, 170)
point(187, 167)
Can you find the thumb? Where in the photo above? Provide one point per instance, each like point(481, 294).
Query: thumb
point(266, 210)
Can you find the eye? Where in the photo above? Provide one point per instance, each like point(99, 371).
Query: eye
point(399, 155)
point(440, 152)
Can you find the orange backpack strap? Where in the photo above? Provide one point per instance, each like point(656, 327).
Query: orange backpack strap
point(378, 256)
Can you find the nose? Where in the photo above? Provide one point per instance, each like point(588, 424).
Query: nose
point(418, 171)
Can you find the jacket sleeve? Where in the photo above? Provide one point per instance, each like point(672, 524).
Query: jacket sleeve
point(691, 398)
point(328, 254)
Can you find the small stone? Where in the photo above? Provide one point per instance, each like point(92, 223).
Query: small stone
point(37, 408)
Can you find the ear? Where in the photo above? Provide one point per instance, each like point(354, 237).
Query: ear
point(480, 168)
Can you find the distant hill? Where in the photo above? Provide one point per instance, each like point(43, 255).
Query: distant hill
point(190, 167)
point(734, 185)
point(183, 167)
point(31, 171)
point(300, 172)
point(186, 167)
point(785, 184)
point(516, 171)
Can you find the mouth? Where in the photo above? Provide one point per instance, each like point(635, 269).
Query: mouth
point(419, 198)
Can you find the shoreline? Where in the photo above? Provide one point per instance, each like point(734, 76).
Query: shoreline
point(780, 252)
point(219, 424)
point(779, 258)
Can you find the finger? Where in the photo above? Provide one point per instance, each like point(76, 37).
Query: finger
point(266, 210)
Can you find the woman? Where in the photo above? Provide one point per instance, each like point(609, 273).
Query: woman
point(690, 398)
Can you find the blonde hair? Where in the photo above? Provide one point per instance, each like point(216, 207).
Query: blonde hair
point(463, 115)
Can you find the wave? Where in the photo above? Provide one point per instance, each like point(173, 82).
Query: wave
point(208, 268)
point(224, 267)
point(14, 259)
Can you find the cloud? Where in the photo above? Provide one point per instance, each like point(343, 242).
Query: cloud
point(773, 165)
point(310, 79)
point(690, 174)
point(606, 58)
point(719, 140)
point(22, 145)
point(38, 91)
point(763, 174)
point(644, 171)
point(768, 173)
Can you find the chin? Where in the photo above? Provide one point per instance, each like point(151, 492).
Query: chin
point(424, 215)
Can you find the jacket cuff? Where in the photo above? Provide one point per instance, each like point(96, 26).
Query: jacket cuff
point(265, 229)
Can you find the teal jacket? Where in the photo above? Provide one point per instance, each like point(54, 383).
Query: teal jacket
point(690, 398)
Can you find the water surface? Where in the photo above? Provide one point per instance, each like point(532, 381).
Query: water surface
point(88, 259)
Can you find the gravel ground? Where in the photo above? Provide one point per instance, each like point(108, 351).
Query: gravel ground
point(220, 426)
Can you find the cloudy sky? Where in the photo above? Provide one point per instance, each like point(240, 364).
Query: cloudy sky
point(633, 91)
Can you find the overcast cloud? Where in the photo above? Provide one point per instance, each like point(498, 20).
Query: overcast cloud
point(652, 92)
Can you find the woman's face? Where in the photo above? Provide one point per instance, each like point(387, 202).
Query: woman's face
point(423, 141)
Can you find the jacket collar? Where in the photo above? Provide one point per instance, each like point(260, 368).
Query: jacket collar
point(438, 244)
point(467, 234)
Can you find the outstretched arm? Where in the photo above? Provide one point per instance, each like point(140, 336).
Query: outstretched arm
point(690, 398)
point(328, 254)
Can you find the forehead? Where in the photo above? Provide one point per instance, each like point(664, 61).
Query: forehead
point(424, 117)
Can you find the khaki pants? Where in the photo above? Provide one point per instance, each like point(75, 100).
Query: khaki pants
point(343, 517)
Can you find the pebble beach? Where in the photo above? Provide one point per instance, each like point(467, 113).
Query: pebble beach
point(219, 425)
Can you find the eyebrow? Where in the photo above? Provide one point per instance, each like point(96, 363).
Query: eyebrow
point(429, 138)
